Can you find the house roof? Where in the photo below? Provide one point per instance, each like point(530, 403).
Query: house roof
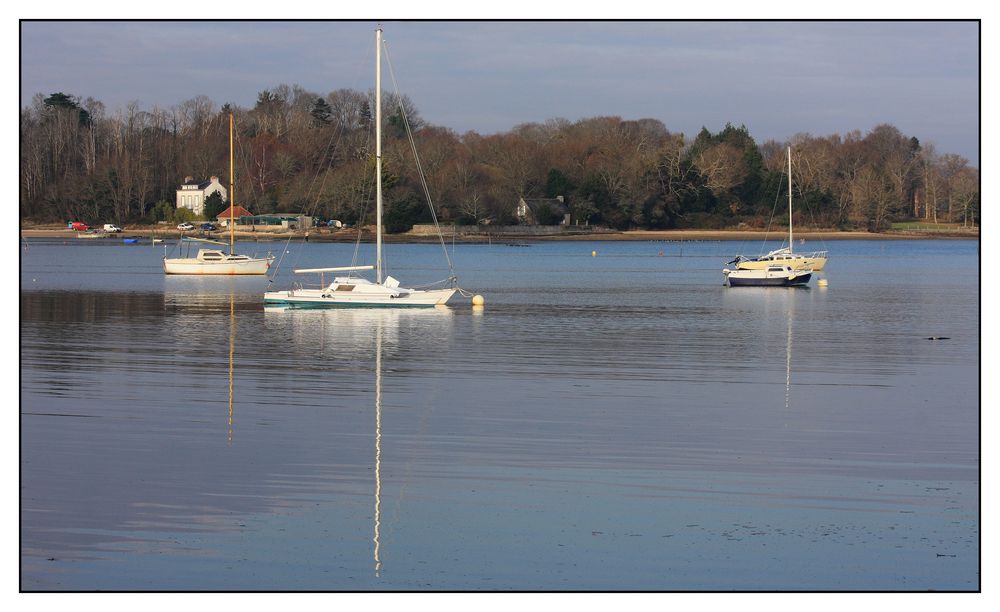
point(554, 204)
point(200, 184)
point(238, 212)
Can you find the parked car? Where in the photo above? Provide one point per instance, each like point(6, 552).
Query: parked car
point(111, 227)
point(208, 227)
point(184, 227)
point(79, 226)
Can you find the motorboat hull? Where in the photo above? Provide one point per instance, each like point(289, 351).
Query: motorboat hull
point(782, 275)
point(798, 280)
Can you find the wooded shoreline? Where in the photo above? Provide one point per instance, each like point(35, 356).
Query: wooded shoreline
point(323, 235)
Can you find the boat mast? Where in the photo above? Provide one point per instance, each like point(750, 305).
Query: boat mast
point(378, 155)
point(232, 188)
point(789, 199)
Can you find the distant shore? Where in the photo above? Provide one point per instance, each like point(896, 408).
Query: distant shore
point(350, 235)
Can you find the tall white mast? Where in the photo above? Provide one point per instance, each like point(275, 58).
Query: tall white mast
point(378, 155)
point(789, 199)
point(232, 189)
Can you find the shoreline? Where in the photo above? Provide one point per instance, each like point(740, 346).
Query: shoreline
point(323, 235)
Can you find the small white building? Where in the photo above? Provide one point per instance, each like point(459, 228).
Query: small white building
point(192, 193)
point(527, 209)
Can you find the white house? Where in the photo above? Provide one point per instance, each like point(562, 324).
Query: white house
point(192, 194)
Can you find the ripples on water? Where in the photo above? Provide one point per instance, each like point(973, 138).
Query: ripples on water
point(613, 422)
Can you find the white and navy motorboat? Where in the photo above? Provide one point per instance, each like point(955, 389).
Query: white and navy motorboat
point(772, 276)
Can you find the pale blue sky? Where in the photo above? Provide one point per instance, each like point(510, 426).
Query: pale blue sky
point(777, 78)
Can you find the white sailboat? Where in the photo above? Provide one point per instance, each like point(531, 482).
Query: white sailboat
point(353, 291)
point(216, 261)
point(784, 256)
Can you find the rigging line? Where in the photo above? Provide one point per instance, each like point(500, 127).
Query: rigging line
point(278, 265)
point(341, 129)
point(774, 207)
point(313, 191)
point(333, 148)
point(363, 205)
point(242, 157)
point(363, 202)
point(812, 217)
point(805, 205)
point(435, 283)
point(420, 170)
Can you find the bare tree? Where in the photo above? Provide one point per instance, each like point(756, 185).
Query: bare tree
point(723, 168)
point(965, 192)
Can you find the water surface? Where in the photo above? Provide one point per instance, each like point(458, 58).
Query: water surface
point(618, 422)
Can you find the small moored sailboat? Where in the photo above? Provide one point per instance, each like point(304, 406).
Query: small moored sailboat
point(784, 256)
point(216, 261)
point(353, 291)
point(775, 275)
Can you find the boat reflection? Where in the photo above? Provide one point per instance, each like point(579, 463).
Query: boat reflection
point(758, 310)
point(192, 297)
point(210, 292)
point(788, 352)
point(232, 351)
point(347, 332)
point(378, 443)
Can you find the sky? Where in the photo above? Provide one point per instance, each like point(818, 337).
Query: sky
point(777, 78)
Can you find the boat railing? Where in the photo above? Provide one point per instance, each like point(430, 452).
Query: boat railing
point(298, 286)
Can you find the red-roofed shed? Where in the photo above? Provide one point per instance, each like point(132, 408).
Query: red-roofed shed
point(236, 212)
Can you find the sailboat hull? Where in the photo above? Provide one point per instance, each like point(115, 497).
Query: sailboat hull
point(196, 266)
point(316, 298)
point(354, 292)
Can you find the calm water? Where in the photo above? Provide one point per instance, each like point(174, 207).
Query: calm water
point(618, 422)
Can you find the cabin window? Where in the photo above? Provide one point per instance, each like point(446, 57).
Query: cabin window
point(345, 287)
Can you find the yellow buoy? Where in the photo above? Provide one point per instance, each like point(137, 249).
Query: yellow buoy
point(593, 253)
point(477, 300)
point(821, 282)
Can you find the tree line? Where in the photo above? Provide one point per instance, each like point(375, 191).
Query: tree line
point(301, 152)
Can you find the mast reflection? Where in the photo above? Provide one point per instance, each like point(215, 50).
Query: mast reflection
point(232, 350)
point(340, 333)
point(788, 351)
point(378, 442)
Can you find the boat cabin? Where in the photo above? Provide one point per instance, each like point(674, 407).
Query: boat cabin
point(343, 284)
point(213, 255)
